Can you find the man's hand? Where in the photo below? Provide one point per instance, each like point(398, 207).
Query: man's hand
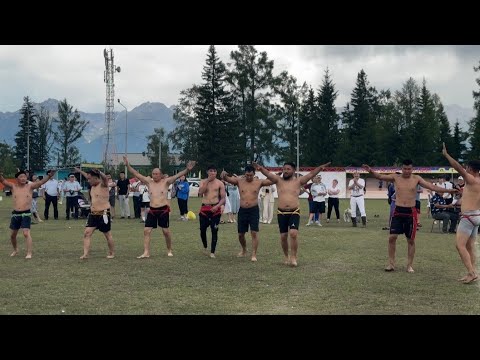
point(256, 166)
point(223, 174)
point(367, 167)
point(76, 169)
point(325, 165)
point(190, 165)
point(444, 150)
point(52, 173)
point(125, 160)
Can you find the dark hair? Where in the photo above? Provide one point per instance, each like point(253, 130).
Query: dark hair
point(71, 174)
point(292, 164)
point(407, 162)
point(20, 173)
point(474, 164)
point(121, 172)
point(94, 173)
point(249, 168)
point(48, 172)
point(211, 167)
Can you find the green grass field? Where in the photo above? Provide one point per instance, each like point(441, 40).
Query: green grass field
point(340, 271)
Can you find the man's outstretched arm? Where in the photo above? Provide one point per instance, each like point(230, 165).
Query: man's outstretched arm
point(272, 177)
point(306, 178)
point(456, 165)
point(139, 176)
point(377, 175)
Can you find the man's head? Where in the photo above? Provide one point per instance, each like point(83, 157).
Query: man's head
point(49, 172)
point(71, 177)
point(109, 176)
point(288, 170)
point(407, 168)
point(157, 175)
point(335, 182)
point(473, 167)
point(460, 180)
point(93, 177)
point(21, 177)
point(249, 173)
point(122, 175)
point(212, 172)
point(356, 175)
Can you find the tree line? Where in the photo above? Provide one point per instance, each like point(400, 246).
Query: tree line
point(241, 112)
point(42, 139)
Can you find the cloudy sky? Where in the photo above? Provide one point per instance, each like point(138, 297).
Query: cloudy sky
point(158, 73)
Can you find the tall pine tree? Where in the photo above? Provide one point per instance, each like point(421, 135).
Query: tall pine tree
point(474, 123)
point(45, 137)
point(26, 139)
point(69, 128)
point(185, 136)
point(361, 122)
point(218, 127)
point(288, 116)
point(252, 81)
point(327, 122)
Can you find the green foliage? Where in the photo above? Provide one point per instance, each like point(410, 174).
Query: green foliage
point(26, 139)
point(69, 128)
point(45, 137)
point(287, 114)
point(252, 80)
point(474, 124)
point(7, 160)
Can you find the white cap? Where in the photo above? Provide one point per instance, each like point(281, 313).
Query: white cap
point(460, 178)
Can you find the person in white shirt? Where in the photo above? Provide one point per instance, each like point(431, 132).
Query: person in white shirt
point(144, 200)
point(333, 201)
point(268, 199)
point(318, 191)
point(71, 189)
point(50, 194)
point(357, 185)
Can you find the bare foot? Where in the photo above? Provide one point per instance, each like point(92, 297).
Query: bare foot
point(111, 256)
point(410, 270)
point(170, 254)
point(212, 255)
point(40, 220)
point(29, 256)
point(286, 261)
point(14, 253)
point(470, 278)
point(390, 267)
point(143, 256)
point(462, 278)
point(242, 253)
point(254, 258)
point(83, 257)
point(293, 262)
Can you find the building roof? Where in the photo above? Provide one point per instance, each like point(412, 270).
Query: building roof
point(135, 159)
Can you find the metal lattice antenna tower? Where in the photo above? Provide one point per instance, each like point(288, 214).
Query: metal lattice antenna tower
point(108, 78)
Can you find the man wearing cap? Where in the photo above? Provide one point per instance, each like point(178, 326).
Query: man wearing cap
point(357, 187)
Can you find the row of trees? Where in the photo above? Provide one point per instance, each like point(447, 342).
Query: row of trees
point(40, 135)
point(242, 112)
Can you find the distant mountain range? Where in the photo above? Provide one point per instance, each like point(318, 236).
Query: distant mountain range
point(141, 122)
